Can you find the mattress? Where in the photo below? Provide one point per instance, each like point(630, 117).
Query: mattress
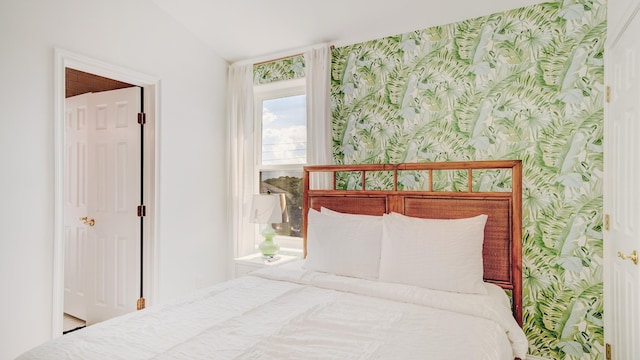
point(292, 313)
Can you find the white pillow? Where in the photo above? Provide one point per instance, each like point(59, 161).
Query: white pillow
point(344, 245)
point(498, 293)
point(431, 253)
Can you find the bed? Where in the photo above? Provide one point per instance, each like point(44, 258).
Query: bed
point(402, 261)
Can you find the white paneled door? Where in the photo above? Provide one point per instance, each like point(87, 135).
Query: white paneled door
point(621, 192)
point(107, 267)
point(75, 203)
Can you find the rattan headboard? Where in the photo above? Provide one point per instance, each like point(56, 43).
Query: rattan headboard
point(502, 249)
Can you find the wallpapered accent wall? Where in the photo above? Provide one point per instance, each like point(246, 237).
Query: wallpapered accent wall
point(523, 84)
point(286, 69)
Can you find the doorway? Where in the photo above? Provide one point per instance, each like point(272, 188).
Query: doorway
point(103, 187)
point(107, 77)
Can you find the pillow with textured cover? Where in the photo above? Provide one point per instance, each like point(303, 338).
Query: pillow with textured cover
point(433, 253)
point(344, 245)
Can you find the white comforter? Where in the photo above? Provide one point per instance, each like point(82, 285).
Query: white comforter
point(291, 313)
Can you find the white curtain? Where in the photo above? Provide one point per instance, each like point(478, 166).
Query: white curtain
point(240, 115)
point(241, 157)
point(319, 141)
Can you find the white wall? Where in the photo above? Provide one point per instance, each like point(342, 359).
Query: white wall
point(133, 34)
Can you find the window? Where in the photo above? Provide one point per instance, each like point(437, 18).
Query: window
point(281, 151)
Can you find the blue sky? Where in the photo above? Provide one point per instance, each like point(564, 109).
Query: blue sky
point(284, 130)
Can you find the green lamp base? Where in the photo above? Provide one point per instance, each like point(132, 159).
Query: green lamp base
point(268, 248)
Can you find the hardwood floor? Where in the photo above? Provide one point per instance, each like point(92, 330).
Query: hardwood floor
point(71, 323)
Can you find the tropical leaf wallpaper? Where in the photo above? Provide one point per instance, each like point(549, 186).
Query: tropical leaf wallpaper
point(285, 69)
point(523, 84)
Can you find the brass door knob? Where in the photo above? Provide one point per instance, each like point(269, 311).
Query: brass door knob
point(87, 221)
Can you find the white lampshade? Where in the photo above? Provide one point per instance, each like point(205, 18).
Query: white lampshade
point(265, 209)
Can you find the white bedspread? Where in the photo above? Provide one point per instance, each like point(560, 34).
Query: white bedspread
point(291, 313)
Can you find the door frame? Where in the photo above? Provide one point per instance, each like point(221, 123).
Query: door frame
point(151, 86)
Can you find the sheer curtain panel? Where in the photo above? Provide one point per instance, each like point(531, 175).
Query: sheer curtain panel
point(241, 157)
point(319, 141)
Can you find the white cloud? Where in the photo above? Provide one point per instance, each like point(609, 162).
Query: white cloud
point(284, 145)
point(284, 131)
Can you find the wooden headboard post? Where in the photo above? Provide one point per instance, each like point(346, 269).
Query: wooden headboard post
point(502, 248)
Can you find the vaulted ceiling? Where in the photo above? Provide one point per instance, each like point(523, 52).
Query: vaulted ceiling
point(248, 29)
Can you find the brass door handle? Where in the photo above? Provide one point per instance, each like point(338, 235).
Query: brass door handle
point(87, 221)
point(633, 257)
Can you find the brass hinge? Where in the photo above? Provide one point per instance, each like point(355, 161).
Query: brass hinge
point(608, 351)
point(142, 118)
point(608, 94)
point(607, 222)
point(142, 210)
point(140, 304)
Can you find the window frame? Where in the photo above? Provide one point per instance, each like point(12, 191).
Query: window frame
point(262, 92)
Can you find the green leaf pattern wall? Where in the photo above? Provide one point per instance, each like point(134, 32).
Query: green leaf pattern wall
point(524, 84)
point(286, 69)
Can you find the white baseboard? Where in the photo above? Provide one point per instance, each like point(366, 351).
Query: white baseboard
point(534, 357)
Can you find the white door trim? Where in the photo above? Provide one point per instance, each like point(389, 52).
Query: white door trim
point(63, 59)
